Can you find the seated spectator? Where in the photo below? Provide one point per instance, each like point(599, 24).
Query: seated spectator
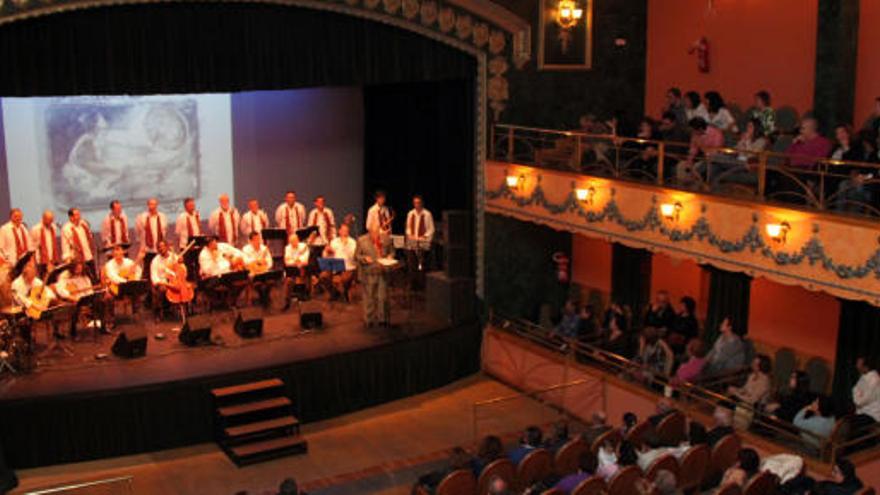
point(652, 449)
point(586, 323)
point(597, 426)
point(665, 407)
point(869, 140)
point(630, 420)
point(728, 353)
point(586, 468)
point(531, 440)
point(558, 438)
point(684, 326)
point(615, 310)
point(569, 324)
point(654, 355)
point(490, 450)
point(791, 401)
point(697, 434)
point(800, 484)
point(818, 419)
point(809, 145)
point(615, 340)
point(289, 487)
point(691, 370)
point(843, 480)
point(589, 124)
point(660, 313)
point(611, 461)
point(498, 486)
point(644, 164)
point(719, 116)
point(847, 147)
point(459, 459)
point(866, 395)
point(665, 483)
point(675, 106)
point(748, 463)
point(693, 107)
point(723, 425)
point(758, 384)
point(705, 139)
point(852, 194)
point(742, 169)
point(764, 113)
point(671, 130)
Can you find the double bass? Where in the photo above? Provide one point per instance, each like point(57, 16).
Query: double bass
point(178, 289)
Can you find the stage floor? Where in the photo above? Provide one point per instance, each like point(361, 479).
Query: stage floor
point(168, 360)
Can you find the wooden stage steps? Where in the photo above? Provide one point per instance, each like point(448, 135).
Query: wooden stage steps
point(254, 422)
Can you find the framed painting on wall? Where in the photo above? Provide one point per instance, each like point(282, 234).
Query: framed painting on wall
point(565, 34)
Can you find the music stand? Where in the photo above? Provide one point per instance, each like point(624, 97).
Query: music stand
point(20, 264)
point(235, 278)
point(270, 276)
point(332, 265)
point(58, 314)
point(134, 288)
point(54, 274)
point(274, 235)
point(303, 234)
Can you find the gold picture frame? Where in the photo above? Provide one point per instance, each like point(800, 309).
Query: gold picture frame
point(565, 49)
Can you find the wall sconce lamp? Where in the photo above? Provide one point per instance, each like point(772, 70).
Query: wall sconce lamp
point(778, 231)
point(585, 195)
point(568, 13)
point(671, 211)
point(515, 182)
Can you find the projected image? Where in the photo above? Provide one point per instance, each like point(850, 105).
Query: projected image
point(109, 149)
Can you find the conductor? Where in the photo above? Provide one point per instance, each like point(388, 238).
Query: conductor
point(372, 247)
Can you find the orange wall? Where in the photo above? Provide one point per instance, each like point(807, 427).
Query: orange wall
point(867, 64)
point(754, 44)
point(591, 263)
point(789, 316)
point(680, 277)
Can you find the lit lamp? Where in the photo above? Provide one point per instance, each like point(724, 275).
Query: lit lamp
point(778, 231)
point(671, 211)
point(585, 195)
point(568, 13)
point(515, 181)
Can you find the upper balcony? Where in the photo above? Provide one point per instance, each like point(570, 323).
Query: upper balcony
point(793, 219)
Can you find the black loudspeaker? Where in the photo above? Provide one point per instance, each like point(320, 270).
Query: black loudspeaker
point(131, 342)
point(457, 230)
point(310, 316)
point(450, 299)
point(249, 323)
point(196, 330)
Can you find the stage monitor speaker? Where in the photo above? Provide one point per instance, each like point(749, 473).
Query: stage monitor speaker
point(196, 330)
point(131, 342)
point(249, 323)
point(310, 316)
point(457, 229)
point(450, 299)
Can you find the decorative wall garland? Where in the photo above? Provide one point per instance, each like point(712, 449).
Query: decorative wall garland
point(812, 252)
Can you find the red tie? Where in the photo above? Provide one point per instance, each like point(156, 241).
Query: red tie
point(150, 232)
point(326, 225)
point(113, 220)
point(222, 228)
point(378, 243)
point(422, 228)
point(124, 229)
point(253, 221)
point(44, 249)
point(78, 242)
point(287, 218)
point(20, 244)
point(159, 228)
point(189, 227)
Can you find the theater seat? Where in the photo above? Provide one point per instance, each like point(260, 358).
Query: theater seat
point(693, 467)
point(502, 468)
point(567, 457)
point(724, 455)
point(535, 466)
point(729, 490)
point(761, 484)
point(590, 486)
point(636, 435)
point(611, 436)
point(672, 429)
point(624, 481)
point(460, 482)
point(667, 462)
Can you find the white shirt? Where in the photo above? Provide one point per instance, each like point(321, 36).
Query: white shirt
point(700, 111)
point(253, 222)
point(109, 228)
point(159, 271)
point(185, 221)
point(231, 218)
point(344, 249)
point(297, 214)
point(119, 273)
point(375, 216)
point(414, 220)
point(157, 223)
point(294, 255)
point(43, 238)
point(252, 255)
point(326, 226)
point(21, 290)
point(69, 234)
point(723, 120)
point(866, 395)
point(81, 285)
point(212, 264)
point(8, 245)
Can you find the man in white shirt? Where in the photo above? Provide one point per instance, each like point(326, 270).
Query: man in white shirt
point(372, 247)
point(28, 282)
point(321, 217)
point(258, 259)
point(76, 242)
point(290, 215)
point(15, 240)
point(419, 234)
point(44, 239)
point(224, 221)
point(121, 269)
point(152, 228)
point(253, 220)
point(866, 395)
point(189, 223)
point(379, 215)
point(296, 258)
point(161, 273)
point(73, 284)
point(114, 227)
point(342, 247)
point(212, 261)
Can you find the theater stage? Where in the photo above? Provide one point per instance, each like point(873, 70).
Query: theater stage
point(79, 408)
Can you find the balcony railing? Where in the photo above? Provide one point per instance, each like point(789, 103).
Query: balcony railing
point(771, 176)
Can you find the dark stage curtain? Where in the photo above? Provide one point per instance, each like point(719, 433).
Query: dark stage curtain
point(198, 47)
point(54, 430)
point(729, 294)
point(631, 279)
point(858, 335)
point(419, 139)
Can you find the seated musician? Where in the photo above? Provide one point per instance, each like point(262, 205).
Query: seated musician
point(258, 259)
point(217, 259)
point(342, 247)
point(72, 286)
point(161, 274)
point(296, 255)
point(30, 293)
point(117, 271)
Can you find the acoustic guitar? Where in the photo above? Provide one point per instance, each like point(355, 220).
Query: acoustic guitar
point(39, 298)
point(128, 274)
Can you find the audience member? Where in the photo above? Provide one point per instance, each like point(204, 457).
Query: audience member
point(611, 461)
point(459, 459)
point(809, 145)
point(752, 141)
point(586, 322)
point(497, 486)
point(697, 434)
point(843, 480)
point(691, 370)
point(654, 355)
point(490, 450)
point(531, 440)
point(764, 113)
point(671, 130)
point(852, 194)
point(630, 420)
point(747, 465)
point(665, 483)
point(758, 384)
point(796, 396)
point(597, 427)
point(723, 425)
point(559, 437)
point(652, 449)
point(586, 468)
point(704, 140)
point(728, 353)
point(719, 116)
point(644, 163)
point(664, 408)
point(289, 487)
point(615, 310)
point(569, 324)
point(615, 339)
point(675, 106)
point(847, 147)
point(817, 419)
point(866, 394)
point(693, 107)
point(660, 313)
point(684, 326)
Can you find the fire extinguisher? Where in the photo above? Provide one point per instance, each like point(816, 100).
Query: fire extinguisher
point(701, 48)
point(562, 261)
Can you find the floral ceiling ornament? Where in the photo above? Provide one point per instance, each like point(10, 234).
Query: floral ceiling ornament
point(410, 8)
point(371, 4)
point(446, 19)
point(391, 6)
point(496, 42)
point(429, 12)
point(464, 26)
point(481, 35)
